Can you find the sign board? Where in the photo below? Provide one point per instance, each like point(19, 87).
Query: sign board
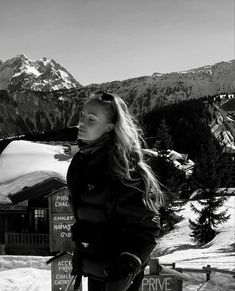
point(163, 282)
point(61, 220)
point(61, 228)
point(60, 275)
point(60, 201)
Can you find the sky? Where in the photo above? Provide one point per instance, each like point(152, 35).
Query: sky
point(106, 40)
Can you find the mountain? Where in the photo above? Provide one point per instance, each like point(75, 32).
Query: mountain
point(29, 111)
point(145, 93)
point(42, 75)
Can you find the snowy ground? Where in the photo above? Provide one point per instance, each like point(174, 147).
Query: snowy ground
point(28, 163)
point(177, 246)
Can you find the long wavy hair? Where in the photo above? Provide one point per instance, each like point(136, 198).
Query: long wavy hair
point(127, 161)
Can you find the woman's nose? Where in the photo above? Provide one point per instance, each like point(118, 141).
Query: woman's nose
point(81, 124)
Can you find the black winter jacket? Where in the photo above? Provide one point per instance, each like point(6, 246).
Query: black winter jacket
point(111, 217)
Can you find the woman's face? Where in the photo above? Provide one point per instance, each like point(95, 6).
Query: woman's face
point(93, 123)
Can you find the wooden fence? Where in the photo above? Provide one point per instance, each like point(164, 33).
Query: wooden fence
point(27, 244)
point(206, 270)
point(22, 239)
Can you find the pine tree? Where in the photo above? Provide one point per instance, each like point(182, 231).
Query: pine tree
point(204, 229)
point(211, 171)
point(169, 176)
point(164, 138)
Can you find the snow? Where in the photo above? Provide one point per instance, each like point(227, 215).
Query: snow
point(45, 61)
point(28, 70)
point(35, 70)
point(25, 279)
point(177, 246)
point(63, 74)
point(27, 180)
point(179, 243)
point(25, 163)
point(22, 157)
point(26, 273)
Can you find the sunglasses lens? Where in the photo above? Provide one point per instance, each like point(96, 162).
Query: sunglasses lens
point(104, 96)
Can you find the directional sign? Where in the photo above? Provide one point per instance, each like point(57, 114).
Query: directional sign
point(160, 283)
point(60, 201)
point(61, 220)
point(61, 228)
point(60, 275)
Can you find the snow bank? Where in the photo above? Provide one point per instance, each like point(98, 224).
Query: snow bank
point(14, 262)
point(26, 273)
point(25, 279)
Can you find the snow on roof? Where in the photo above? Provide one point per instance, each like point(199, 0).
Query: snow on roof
point(25, 163)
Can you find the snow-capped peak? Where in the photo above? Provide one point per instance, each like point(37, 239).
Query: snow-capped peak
point(44, 74)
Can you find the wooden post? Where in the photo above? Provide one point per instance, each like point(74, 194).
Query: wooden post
point(180, 287)
point(155, 268)
point(208, 274)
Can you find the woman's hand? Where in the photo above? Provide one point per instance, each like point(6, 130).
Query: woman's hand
point(121, 275)
point(67, 149)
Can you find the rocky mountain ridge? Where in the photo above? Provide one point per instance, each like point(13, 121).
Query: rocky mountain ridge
point(146, 92)
point(21, 73)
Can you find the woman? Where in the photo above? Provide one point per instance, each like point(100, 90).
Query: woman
point(114, 197)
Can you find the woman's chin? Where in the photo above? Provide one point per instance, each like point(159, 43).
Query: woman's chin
point(81, 136)
point(84, 140)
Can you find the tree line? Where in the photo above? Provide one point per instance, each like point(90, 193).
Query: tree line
point(185, 128)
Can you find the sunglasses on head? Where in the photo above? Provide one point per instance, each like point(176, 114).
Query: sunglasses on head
point(104, 96)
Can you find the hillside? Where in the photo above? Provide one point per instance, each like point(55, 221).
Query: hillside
point(28, 110)
point(179, 245)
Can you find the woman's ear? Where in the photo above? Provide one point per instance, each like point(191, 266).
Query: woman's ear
point(110, 127)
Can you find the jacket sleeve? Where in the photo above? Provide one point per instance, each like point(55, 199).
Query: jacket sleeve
point(139, 225)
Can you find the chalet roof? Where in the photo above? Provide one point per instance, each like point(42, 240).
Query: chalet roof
point(21, 183)
point(44, 188)
point(20, 158)
point(25, 164)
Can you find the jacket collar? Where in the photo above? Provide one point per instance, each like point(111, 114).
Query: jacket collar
point(94, 146)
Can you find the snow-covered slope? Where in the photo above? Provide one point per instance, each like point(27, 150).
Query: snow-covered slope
point(25, 163)
point(41, 75)
point(177, 246)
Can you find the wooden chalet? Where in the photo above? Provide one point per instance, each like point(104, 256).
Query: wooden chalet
point(24, 224)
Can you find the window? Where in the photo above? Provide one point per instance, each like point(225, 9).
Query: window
point(40, 220)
